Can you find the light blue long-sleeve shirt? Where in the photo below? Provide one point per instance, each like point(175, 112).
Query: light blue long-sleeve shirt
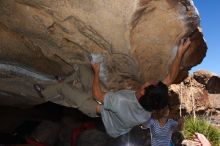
point(121, 112)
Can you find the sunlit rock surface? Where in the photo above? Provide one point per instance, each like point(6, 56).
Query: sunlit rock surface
point(138, 40)
point(200, 93)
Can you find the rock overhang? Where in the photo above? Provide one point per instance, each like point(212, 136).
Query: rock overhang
point(138, 39)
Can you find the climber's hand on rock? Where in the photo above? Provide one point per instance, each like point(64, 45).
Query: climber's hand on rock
point(184, 45)
point(96, 68)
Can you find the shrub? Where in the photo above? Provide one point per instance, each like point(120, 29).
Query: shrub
point(202, 126)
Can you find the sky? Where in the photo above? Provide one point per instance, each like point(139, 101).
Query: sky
point(210, 22)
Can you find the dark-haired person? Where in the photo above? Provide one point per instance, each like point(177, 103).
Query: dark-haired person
point(162, 127)
point(122, 110)
point(125, 109)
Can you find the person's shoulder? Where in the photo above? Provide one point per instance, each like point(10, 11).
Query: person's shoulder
point(172, 121)
point(152, 120)
point(120, 95)
point(125, 92)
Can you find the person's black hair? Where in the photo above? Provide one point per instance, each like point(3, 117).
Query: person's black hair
point(155, 97)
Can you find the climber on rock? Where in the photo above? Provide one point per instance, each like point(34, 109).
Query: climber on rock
point(120, 111)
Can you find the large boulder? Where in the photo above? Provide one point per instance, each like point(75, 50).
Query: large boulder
point(202, 76)
point(138, 40)
point(198, 92)
point(191, 95)
point(213, 85)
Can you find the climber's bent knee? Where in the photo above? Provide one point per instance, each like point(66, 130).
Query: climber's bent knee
point(89, 107)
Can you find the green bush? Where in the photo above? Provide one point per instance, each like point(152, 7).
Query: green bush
point(202, 126)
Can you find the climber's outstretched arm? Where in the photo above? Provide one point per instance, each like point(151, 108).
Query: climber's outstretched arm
point(96, 88)
point(184, 45)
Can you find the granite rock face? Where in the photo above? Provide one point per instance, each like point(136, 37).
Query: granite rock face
point(199, 93)
point(138, 40)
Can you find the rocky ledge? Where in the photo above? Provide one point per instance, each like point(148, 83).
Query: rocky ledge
point(138, 40)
